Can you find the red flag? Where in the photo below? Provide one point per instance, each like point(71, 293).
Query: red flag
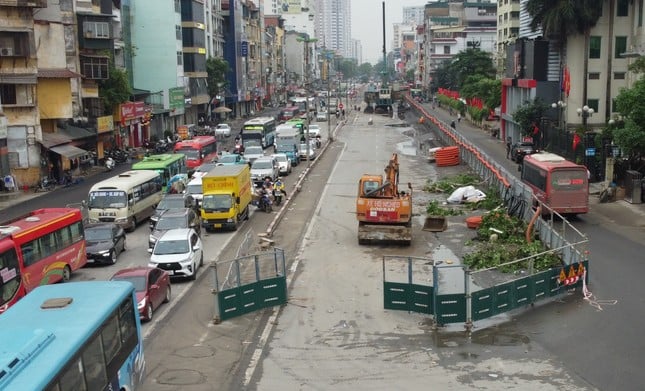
point(567, 81)
point(576, 141)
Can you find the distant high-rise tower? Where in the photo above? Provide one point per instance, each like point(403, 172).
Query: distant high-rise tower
point(334, 23)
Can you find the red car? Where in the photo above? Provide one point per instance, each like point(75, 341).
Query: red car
point(152, 286)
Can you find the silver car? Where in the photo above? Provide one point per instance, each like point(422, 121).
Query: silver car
point(264, 167)
point(283, 162)
point(253, 152)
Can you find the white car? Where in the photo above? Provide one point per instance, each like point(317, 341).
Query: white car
point(306, 153)
point(321, 116)
point(223, 130)
point(179, 251)
point(314, 130)
point(253, 152)
point(283, 163)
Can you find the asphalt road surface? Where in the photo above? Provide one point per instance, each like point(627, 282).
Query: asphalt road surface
point(334, 332)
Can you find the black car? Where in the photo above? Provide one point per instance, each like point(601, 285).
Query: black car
point(175, 218)
point(172, 201)
point(104, 242)
point(521, 149)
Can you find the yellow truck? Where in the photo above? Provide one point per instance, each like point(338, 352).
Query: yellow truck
point(227, 195)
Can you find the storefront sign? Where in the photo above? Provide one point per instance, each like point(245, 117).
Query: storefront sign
point(104, 124)
point(130, 111)
point(176, 100)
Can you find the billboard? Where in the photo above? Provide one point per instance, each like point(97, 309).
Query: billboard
point(291, 7)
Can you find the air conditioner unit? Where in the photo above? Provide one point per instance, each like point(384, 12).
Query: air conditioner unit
point(6, 51)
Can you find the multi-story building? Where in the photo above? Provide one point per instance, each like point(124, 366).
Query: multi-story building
point(194, 60)
point(451, 27)
point(597, 74)
point(153, 33)
point(508, 29)
point(274, 69)
point(19, 141)
point(334, 23)
point(413, 15)
point(214, 21)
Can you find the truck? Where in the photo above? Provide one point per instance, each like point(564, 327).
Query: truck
point(287, 142)
point(227, 194)
point(384, 212)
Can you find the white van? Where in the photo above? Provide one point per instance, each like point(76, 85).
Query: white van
point(195, 189)
point(125, 199)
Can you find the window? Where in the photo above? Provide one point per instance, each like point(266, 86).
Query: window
point(619, 75)
point(180, 58)
point(177, 6)
point(622, 8)
point(178, 32)
point(594, 46)
point(94, 365)
point(594, 75)
point(640, 13)
point(96, 30)
point(613, 106)
point(95, 67)
point(446, 49)
point(620, 47)
point(593, 104)
point(8, 94)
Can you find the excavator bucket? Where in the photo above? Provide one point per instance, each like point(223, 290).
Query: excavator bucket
point(384, 234)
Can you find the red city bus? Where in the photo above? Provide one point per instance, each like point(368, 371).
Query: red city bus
point(560, 184)
point(198, 150)
point(41, 248)
point(288, 113)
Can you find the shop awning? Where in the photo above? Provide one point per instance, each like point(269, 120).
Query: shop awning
point(69, 151)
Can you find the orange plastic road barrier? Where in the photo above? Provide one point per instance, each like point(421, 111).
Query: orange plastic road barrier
point(447, 156)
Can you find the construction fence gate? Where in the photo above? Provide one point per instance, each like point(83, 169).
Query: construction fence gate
point(453, 294)
point(249, 283)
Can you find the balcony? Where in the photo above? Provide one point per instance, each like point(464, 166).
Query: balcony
point(24, 4)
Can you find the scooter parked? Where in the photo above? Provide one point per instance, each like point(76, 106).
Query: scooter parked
point(46, 184)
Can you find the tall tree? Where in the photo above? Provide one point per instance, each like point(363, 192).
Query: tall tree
point(471, 62)
point(216, 68)
point(560, 19)
point(631, 137)
point(114, 90)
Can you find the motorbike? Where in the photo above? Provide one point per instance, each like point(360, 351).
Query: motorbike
point(46, 184)
point(109, 164)
point(264, 202)
point(277, 197)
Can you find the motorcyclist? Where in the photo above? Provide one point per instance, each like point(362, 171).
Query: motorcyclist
point(278, 185)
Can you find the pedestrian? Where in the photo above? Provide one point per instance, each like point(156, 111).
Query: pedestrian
point(458, 117)
point(452, 124)
point(343, 113)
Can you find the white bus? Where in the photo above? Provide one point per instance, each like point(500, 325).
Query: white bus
point(126, 199)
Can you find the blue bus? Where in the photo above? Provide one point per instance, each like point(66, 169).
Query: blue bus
point(73, 336)
point(259, 131)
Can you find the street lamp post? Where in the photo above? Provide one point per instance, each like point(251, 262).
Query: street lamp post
point(560, 106)
point(585, 112)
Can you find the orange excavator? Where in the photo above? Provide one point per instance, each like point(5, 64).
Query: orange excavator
point(384, 213)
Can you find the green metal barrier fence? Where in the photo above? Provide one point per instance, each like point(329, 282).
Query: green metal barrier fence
point(249, 283)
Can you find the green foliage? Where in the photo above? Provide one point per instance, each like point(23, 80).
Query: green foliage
point(631, 136)
point(509, 245)
point(450, 184)
point(435, 209)
point(348, 67)
point(530, 114)
point(638, 66)
point(217, 68)
point(477, 114)
point(562, 18)
point(492, 201)
point(114, 90)
point(465, 64)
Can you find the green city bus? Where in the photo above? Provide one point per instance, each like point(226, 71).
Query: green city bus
point(167, 165)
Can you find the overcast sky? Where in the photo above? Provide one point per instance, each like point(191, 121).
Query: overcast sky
point(367, 24)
